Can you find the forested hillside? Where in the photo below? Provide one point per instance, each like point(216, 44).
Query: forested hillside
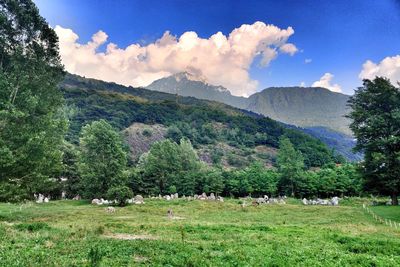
point(203, 122)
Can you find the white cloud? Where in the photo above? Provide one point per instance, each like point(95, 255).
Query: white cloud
point(389, 67)
point(289, 49)
point(224, 60)
point(308, 60)
point(325, 82)
point(302, 84)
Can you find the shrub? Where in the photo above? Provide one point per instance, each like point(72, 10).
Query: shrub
point(32, 227)
point(94, 256)
point(120, 194)
point(147, 133)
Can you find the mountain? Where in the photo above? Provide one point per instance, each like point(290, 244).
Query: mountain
point(303, 106)
point(300, 106)
point(341, 143)
point(187, 84)
point(220, 133)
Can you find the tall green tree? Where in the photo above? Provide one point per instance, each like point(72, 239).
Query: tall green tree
point(290, 165)
point(376, 125)
point(31, 124)
point(70, 169)
point(168, 165)
point(102, 161)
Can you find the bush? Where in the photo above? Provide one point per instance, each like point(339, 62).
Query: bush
point(120, 194)
point(147, 133)
point(32, 227)
point(95, 256)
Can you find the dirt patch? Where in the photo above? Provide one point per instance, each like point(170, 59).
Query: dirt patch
point(177, 218)
point(130, 237)
point(138, 258)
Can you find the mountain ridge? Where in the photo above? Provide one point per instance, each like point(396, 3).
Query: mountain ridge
point(299, 106)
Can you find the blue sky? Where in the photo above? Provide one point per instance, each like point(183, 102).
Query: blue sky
point(338, 36)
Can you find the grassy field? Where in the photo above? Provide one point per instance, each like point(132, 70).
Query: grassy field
point(74, 233)
point(387, 212)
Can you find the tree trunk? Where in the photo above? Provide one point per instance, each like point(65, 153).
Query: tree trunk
point(395, 201)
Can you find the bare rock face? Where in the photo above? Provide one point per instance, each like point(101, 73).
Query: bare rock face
point(140, 137)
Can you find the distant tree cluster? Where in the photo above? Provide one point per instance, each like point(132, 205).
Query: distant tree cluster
point(171, 167)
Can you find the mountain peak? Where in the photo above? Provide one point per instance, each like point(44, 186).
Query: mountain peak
point(189, 76)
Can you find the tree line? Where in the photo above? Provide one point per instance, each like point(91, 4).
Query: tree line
point(99, 165)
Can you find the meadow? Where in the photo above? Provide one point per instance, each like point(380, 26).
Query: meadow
point(202, 233)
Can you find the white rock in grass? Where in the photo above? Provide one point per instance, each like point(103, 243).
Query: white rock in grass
point(96, 202)
point(110, 209)
point(211, 197)
point(39, 198)
point(138, 200)
point(335, 201)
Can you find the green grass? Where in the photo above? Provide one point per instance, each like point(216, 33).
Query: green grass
point(388, 212)
point(74, 233)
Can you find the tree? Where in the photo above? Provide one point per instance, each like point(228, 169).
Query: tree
point(120, 193)
point(376, 125)
point(290, 165)
point(262, 181)
point(70, 169)
point(102, 160)
point(170, 166)
point(31, 123)
point(212, 181)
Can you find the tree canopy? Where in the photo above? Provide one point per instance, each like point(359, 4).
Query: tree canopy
point(32, 125)
point(376, 125)
point(102, 159)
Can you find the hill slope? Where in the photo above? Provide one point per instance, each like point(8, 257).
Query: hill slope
point(302, 106)
point(205, 123)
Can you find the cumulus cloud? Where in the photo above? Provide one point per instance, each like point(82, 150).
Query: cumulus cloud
point(308, 60)
point(224, 60)
point(302, 84)
point(389, 67)
point(325, 82)
point(289, 49)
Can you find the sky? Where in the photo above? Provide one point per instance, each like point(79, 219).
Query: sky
point(245, 46)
